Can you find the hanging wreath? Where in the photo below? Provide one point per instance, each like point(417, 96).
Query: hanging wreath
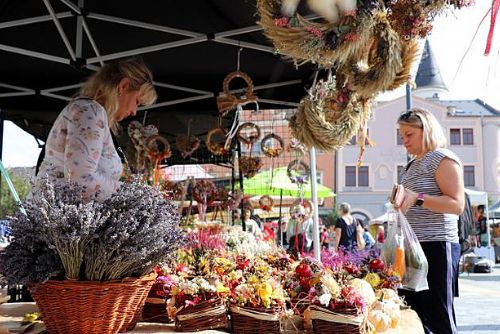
point(204, 192)
point(248, 133)
point(298, 171)
point(269, 150)
point(216, 148)
point(307, 41)
point(327, 118)
point(187, 145)
point(228, 101)
point(266, 203)
point(249, 166)
point(158, 148)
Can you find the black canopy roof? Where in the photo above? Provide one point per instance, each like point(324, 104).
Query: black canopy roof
point(190, 45)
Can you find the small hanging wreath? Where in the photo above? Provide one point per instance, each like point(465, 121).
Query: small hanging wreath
point(249, 166)
point(216, 148)
point(187, 145)
point(266, 203)
point(298, 171)
point(269, 150)
point(158, 148)
point(228, 101)
point(248, 133)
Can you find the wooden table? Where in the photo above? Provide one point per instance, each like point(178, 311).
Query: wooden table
point(11, 315)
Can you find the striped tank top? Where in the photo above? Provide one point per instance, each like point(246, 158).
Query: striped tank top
point(420, 176)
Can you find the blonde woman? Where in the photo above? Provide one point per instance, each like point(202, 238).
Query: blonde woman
point(433, 199)
point(80, 146)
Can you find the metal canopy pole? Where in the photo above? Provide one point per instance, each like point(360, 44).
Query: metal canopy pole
point(60, 29)
point(34, 54)
point(152, 48)
point(36, 19)
point(317, 246)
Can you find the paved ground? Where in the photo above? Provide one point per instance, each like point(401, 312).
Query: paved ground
point(478, 307)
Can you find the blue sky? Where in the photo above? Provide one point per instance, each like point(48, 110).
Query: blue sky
point(478, 76)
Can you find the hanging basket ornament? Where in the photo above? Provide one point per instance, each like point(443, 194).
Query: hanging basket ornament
point(216, 147)
point(268, 147)
point(229, 101)
point(266, 203)
point(248, 133)
point(298, 172)
point(249, 166)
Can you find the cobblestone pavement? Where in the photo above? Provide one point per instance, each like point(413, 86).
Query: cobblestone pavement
point(478, 307)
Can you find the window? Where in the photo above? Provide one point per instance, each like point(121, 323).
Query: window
point(350, 176)
point(319, 177)
point(469, 179)
point(399, 140)
point(400, 173)
point(363, 176)
point(454, 136)
point(468, 136)
point(357, 176)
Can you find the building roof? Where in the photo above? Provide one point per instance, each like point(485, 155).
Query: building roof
point(429, 74)
point(472, 108)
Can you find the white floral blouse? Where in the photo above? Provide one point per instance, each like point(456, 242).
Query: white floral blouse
point(80, 148)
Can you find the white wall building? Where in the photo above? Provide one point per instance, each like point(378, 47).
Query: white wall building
point(473, 132)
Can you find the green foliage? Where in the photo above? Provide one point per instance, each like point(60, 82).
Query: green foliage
point(7, 204)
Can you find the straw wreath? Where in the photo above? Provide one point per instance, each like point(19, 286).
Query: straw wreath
point(307, 41)
point(328, 117)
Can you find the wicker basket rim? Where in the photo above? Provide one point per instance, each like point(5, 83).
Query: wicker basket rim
point(145, 278)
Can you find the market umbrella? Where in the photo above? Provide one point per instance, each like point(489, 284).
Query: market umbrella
point(276, 182)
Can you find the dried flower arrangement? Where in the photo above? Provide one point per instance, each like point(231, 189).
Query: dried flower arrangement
point(250, 166)
point(64, 236)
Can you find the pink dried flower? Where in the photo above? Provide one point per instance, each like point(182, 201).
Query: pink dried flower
point(315, 31)
point(281, 22)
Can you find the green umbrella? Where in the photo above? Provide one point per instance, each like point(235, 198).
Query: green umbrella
point(273, 182)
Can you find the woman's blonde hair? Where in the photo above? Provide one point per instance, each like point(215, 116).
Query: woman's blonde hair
point(433, 136)
point(345, 208)
point(102, 86)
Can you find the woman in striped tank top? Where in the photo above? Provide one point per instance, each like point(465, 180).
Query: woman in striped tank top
point(433, 199)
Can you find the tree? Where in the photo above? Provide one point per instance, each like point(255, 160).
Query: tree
point(7, 204)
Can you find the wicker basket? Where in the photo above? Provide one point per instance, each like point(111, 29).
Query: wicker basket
point(83, 307)
point(342, 321)
point(155, 307)
point(208, 314)
point(246, 320)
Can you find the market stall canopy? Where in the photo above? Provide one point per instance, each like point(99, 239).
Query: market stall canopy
point(477, 197)
point(180, 173)
point(494, 211)
point(273, 182)
point(380, 219)
point(47, 48)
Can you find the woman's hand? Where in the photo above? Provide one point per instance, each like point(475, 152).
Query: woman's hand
point(409, 199)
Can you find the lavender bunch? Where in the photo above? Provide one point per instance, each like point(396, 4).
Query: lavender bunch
point(59, 221)
point(142, 230)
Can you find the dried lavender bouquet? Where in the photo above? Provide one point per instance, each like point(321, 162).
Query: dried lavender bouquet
point(64, 236)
